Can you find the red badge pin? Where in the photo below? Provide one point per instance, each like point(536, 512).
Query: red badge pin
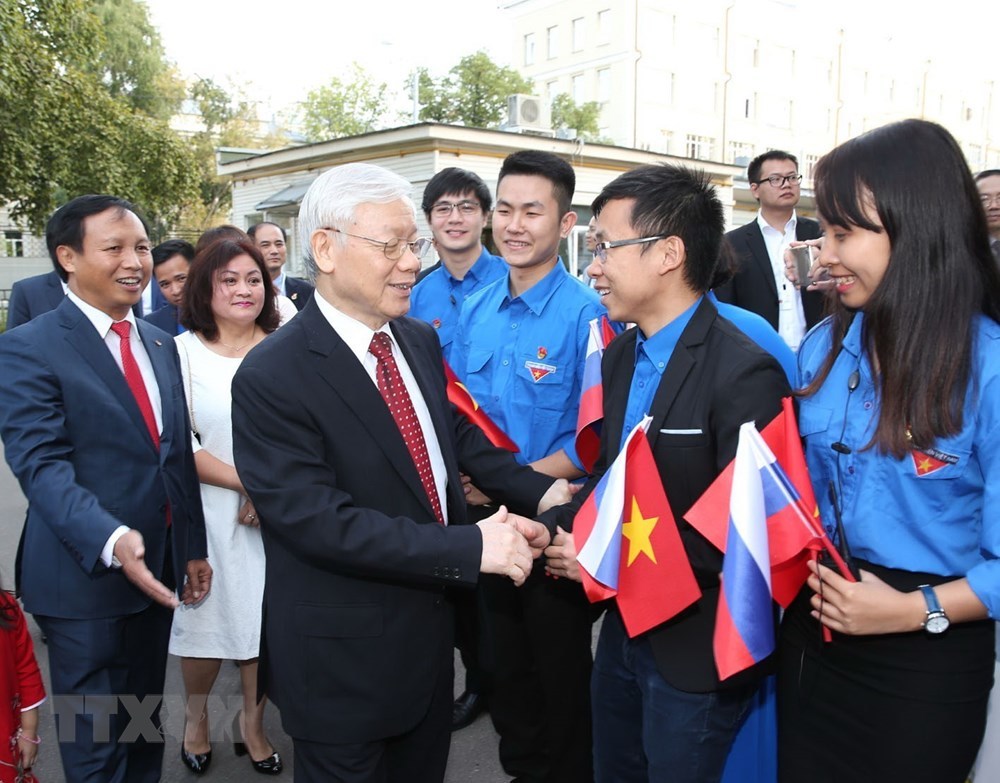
point(542, 351)
point(436, 323)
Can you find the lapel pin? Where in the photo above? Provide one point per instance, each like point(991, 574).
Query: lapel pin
point(157, 342)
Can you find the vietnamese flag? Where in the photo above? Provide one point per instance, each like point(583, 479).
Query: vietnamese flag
point(628, 543)
point(459, 396)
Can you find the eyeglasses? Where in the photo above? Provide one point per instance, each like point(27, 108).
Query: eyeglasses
point(394, 248)
point(778, 181)
point(989, 201)
point(444, 208)
point(601, 248)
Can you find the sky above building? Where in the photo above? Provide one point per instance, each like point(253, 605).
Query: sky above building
point(277, 52)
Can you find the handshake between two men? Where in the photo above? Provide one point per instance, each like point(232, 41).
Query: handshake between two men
point(512, 542)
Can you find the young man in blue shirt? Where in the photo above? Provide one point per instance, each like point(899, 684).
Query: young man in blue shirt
point(520, 348)
point(457, 205)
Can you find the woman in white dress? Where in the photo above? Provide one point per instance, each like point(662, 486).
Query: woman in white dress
point(228, 308)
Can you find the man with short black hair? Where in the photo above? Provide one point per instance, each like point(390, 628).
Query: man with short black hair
point(759, 284)
point(95, 428)
point(457, 205)
point(660, 711)
point(171, 261)
point(271, 241)
point(520, 349)
point(988, 183)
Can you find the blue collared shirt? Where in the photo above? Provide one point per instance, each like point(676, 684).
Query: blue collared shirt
point(522, 359)
point(438, 298)
point(937, 511)
point(652, 355)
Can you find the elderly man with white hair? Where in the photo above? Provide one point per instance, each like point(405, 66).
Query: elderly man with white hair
point(346, 444)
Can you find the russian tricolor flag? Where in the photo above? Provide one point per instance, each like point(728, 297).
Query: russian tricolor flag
point(591, 410)
point(744, 626)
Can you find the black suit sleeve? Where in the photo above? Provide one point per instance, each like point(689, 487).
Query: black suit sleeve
point(285, 446)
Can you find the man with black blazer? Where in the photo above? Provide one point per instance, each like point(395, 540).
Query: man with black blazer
point(95, 428)
point(759, 284)
point(171, 263)
point(345, 442)
point(33, 296)
point(660, 711)
point(271, 241)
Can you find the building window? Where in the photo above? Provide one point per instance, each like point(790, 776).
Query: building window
point(529, 49)
point(578, 34)
point(604, 85)
point(551, 91)
point(604, 26)
point(809, 162)
point(740, 152)
point(13, 244)
point(552, 42)
point(699, 147)
point(577, 88)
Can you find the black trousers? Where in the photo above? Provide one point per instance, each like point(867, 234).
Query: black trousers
point(541, 658)
point(906, 706)
point(418, 756)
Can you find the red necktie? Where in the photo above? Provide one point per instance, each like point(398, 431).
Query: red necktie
point(393, 390)
point(134, 379)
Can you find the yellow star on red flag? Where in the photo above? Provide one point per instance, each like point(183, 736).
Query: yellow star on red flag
point(637, 531)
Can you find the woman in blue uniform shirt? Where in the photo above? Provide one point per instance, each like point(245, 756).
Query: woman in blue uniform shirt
point(900, 414)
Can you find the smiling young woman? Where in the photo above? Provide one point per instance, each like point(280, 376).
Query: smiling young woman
point(900, 410)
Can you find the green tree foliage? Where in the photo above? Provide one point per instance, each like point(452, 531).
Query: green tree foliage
point(228, 122)
point(345, 107)
point(62, 133)
point(474, 93)
point(131, 60)
point(583, 118)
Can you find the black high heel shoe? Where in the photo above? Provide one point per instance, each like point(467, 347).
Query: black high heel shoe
point(198, 763)
point(270, 766)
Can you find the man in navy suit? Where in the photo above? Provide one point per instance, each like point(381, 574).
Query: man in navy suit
point(270, 239)
point(94, 426)
point(171, 261)
point(33, 296)
point(759, 283)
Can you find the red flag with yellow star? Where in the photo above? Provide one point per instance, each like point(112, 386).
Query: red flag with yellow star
point(629, 543)
point(655, 580)
point(459, 396)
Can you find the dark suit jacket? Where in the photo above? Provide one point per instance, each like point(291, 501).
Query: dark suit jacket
point(357, 626)
point(716, 380)
point(752, 286)
point(299, 291)
point(164, 318)
point(33, 296)
point(74, 437)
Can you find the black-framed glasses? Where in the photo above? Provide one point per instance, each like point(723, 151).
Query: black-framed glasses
point(778, 181)
point(601, 248)
point(393, 248)
point(466, 207)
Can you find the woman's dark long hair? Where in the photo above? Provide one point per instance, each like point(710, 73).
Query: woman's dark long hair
point(196, 310)
point(918, 323)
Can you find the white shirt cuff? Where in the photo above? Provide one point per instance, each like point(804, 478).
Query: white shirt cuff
point(108, 553)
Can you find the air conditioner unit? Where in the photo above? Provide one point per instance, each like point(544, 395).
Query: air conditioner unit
point(527, 113)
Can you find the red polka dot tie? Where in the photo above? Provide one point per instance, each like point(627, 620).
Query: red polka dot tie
point(393, 390)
